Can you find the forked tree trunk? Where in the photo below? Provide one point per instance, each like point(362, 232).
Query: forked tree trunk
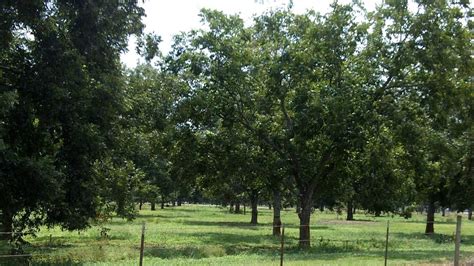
point(276, 213)
point(254, 205)
point(430, 218)
point(350, 209)
point(7, 226)
point(305, 219)
point(153, 207)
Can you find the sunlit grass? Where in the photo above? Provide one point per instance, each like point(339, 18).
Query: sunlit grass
point(209, 235)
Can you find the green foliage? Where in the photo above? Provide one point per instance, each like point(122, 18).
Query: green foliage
point(60, 77)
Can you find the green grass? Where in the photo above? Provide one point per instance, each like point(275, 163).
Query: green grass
point(209, 235)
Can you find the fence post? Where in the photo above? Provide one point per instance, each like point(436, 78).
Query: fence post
point(142, 244)
point(282, 247)
point(386, 243)
point(457, 244)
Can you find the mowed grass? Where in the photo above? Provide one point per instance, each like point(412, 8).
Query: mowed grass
point(209, 235)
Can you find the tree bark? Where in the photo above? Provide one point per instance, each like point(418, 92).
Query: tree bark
point(140, 204)
point(305, 219)
point(237, 207)
point(254, 204)
point(469, 214)
point(350, 214)
point(430, 218)
point(7, 226)
point(298, 207)
point(153, 207)
point(276, 213)
point(443, 211)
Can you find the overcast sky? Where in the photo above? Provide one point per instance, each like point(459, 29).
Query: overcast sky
point(169, 17)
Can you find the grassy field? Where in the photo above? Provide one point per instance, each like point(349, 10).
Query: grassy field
point(209, 235)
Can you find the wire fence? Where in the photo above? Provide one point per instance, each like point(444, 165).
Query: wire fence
point(280, 245)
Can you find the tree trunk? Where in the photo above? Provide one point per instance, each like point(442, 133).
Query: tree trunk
point(443, 212)
point(180, 202)
point(237, 207)
point(469, 214)
point(305, 219)
point(254, 204)
point(276, 213)
point(430, 218)
point(244, 209)
point(153, 207)
point(162, 205)
point(231, 207)
point(298, 207)
point(269, 206)
point(350, 214)
point(140, 204)
point(7, 226)
point(173, 203)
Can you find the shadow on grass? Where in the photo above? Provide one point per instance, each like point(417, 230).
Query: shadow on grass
point(437, 238)
point(246, 225)
point(316, 252)
point(157, 216)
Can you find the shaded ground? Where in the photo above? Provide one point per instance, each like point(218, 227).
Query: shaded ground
point(208, 235)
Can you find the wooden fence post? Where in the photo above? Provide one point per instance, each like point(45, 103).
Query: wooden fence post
point(142, 244)
point(282, 246)
point(386, 243)
point(457, 244)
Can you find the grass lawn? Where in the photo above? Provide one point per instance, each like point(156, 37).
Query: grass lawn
point(209, 235)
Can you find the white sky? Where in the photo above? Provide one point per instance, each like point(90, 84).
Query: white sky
point(170, 17)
